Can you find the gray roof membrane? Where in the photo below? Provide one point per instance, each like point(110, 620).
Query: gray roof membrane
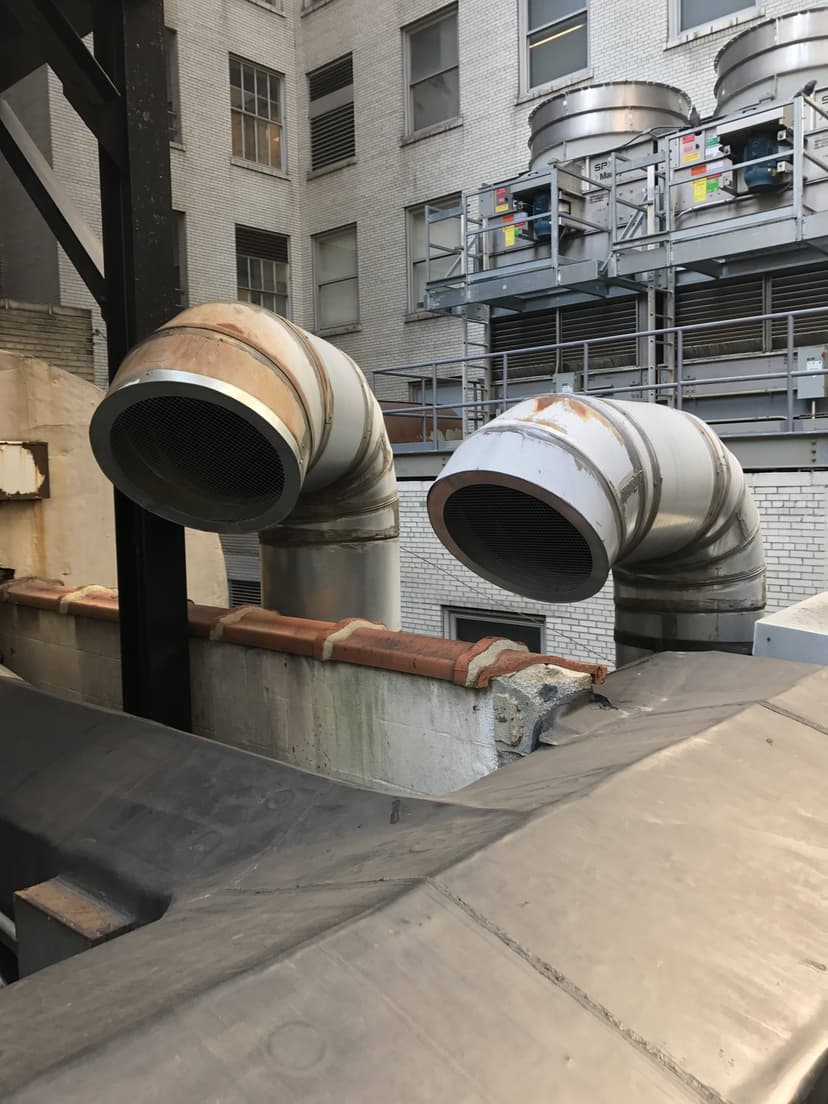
point(637, 913)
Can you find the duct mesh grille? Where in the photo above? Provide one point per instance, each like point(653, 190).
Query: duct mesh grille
point(197, 457)
point(517, 538)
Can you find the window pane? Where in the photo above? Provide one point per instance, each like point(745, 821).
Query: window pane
point(249, 84)
point(433, 48)
point(418, 284)
point(249, 137)
point(255, 272)
point(241, 270)
point(696, 12)
point(235, 73)
point(263, 146)
point(274, 96)
point(236, 121)
point(275, 146)
point(417, 236)
point(445, 233)
point(280, 305)
point(559, 51)
point(338, 304)
point(235, 97)
point(544, 12)
point(336, 256)
point(435, 99)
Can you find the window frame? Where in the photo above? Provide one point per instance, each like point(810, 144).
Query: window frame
point(182, 295)
point(443, 202)
point(407, 31)
point(525, 620)
point(317, 240)
point(248, 255)
point(525, 67)
point(744, 14)
point(240, 158)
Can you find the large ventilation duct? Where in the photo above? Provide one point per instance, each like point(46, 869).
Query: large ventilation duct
point(600, 118)
point(773, 60)
point(234, 420)
point(554, 494)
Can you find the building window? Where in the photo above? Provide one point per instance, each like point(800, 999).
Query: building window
point(180, 259)
point(336, 278)
point(471, 625)
point(444, 238)
point(173, 96)
point(262, 273)
point(256, 113)
point(331, 95)
point(433, 71)
point(556, 37)
point(686, 15)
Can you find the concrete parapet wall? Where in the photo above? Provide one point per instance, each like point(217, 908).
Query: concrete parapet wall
point(351, 700)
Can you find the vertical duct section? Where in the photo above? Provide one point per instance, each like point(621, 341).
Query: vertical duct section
point(554, 494)
point(232, 419)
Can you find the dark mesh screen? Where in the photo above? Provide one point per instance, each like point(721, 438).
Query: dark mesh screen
point(518, 538)
point(197, 457)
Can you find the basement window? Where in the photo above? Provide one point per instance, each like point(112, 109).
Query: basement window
point(471, 625)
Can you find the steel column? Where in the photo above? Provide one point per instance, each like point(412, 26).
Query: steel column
point(138, 228)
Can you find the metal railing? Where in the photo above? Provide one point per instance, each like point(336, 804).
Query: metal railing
point(482, 382)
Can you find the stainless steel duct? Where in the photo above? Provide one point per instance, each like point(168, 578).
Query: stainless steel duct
point(232, 419)
point(554, 494)
point(600, 117)
point(773, 60)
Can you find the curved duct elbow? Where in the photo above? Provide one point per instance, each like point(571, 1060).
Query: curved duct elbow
point(232, 419)
point(554, 494)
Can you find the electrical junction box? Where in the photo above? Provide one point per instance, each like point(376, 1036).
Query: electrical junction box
point(811, 358)
point(564, 383)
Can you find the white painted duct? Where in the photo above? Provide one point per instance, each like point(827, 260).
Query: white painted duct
point(232, 419)
point(554, 494)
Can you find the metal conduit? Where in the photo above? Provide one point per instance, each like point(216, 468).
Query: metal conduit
point(232, 419)
point(555, 493)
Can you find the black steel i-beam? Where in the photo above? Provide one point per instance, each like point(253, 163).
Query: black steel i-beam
point(137, 222)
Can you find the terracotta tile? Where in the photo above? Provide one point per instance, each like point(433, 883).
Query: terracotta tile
point(42, 593)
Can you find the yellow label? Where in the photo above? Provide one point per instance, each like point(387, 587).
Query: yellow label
point(693, 155)
point(699, 190)
point(501, 207)
point(508, 236)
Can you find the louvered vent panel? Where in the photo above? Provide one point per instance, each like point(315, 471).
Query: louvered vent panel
point(330, 90)
point(715, 302)
point(611, 318)
point(799, 291)
point(261, 243)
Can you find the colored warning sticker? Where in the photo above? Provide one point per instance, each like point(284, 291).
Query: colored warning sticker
point(699, 186)
point(711, 141)
point(712, 184)
point(688, 155)
point(688, 139)
point(508, 231)
point(501, 200)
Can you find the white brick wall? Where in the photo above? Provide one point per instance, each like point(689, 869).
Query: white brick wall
point(794, 510)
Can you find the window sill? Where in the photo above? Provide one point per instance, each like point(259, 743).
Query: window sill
point(571, 80)
point(272, 8)
point(314, 6)
point(178, 146)
point(430, 131)
point(725, 24)
point(420, 315)
point(313, 174)
point(337, 331)
point(254, 166)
